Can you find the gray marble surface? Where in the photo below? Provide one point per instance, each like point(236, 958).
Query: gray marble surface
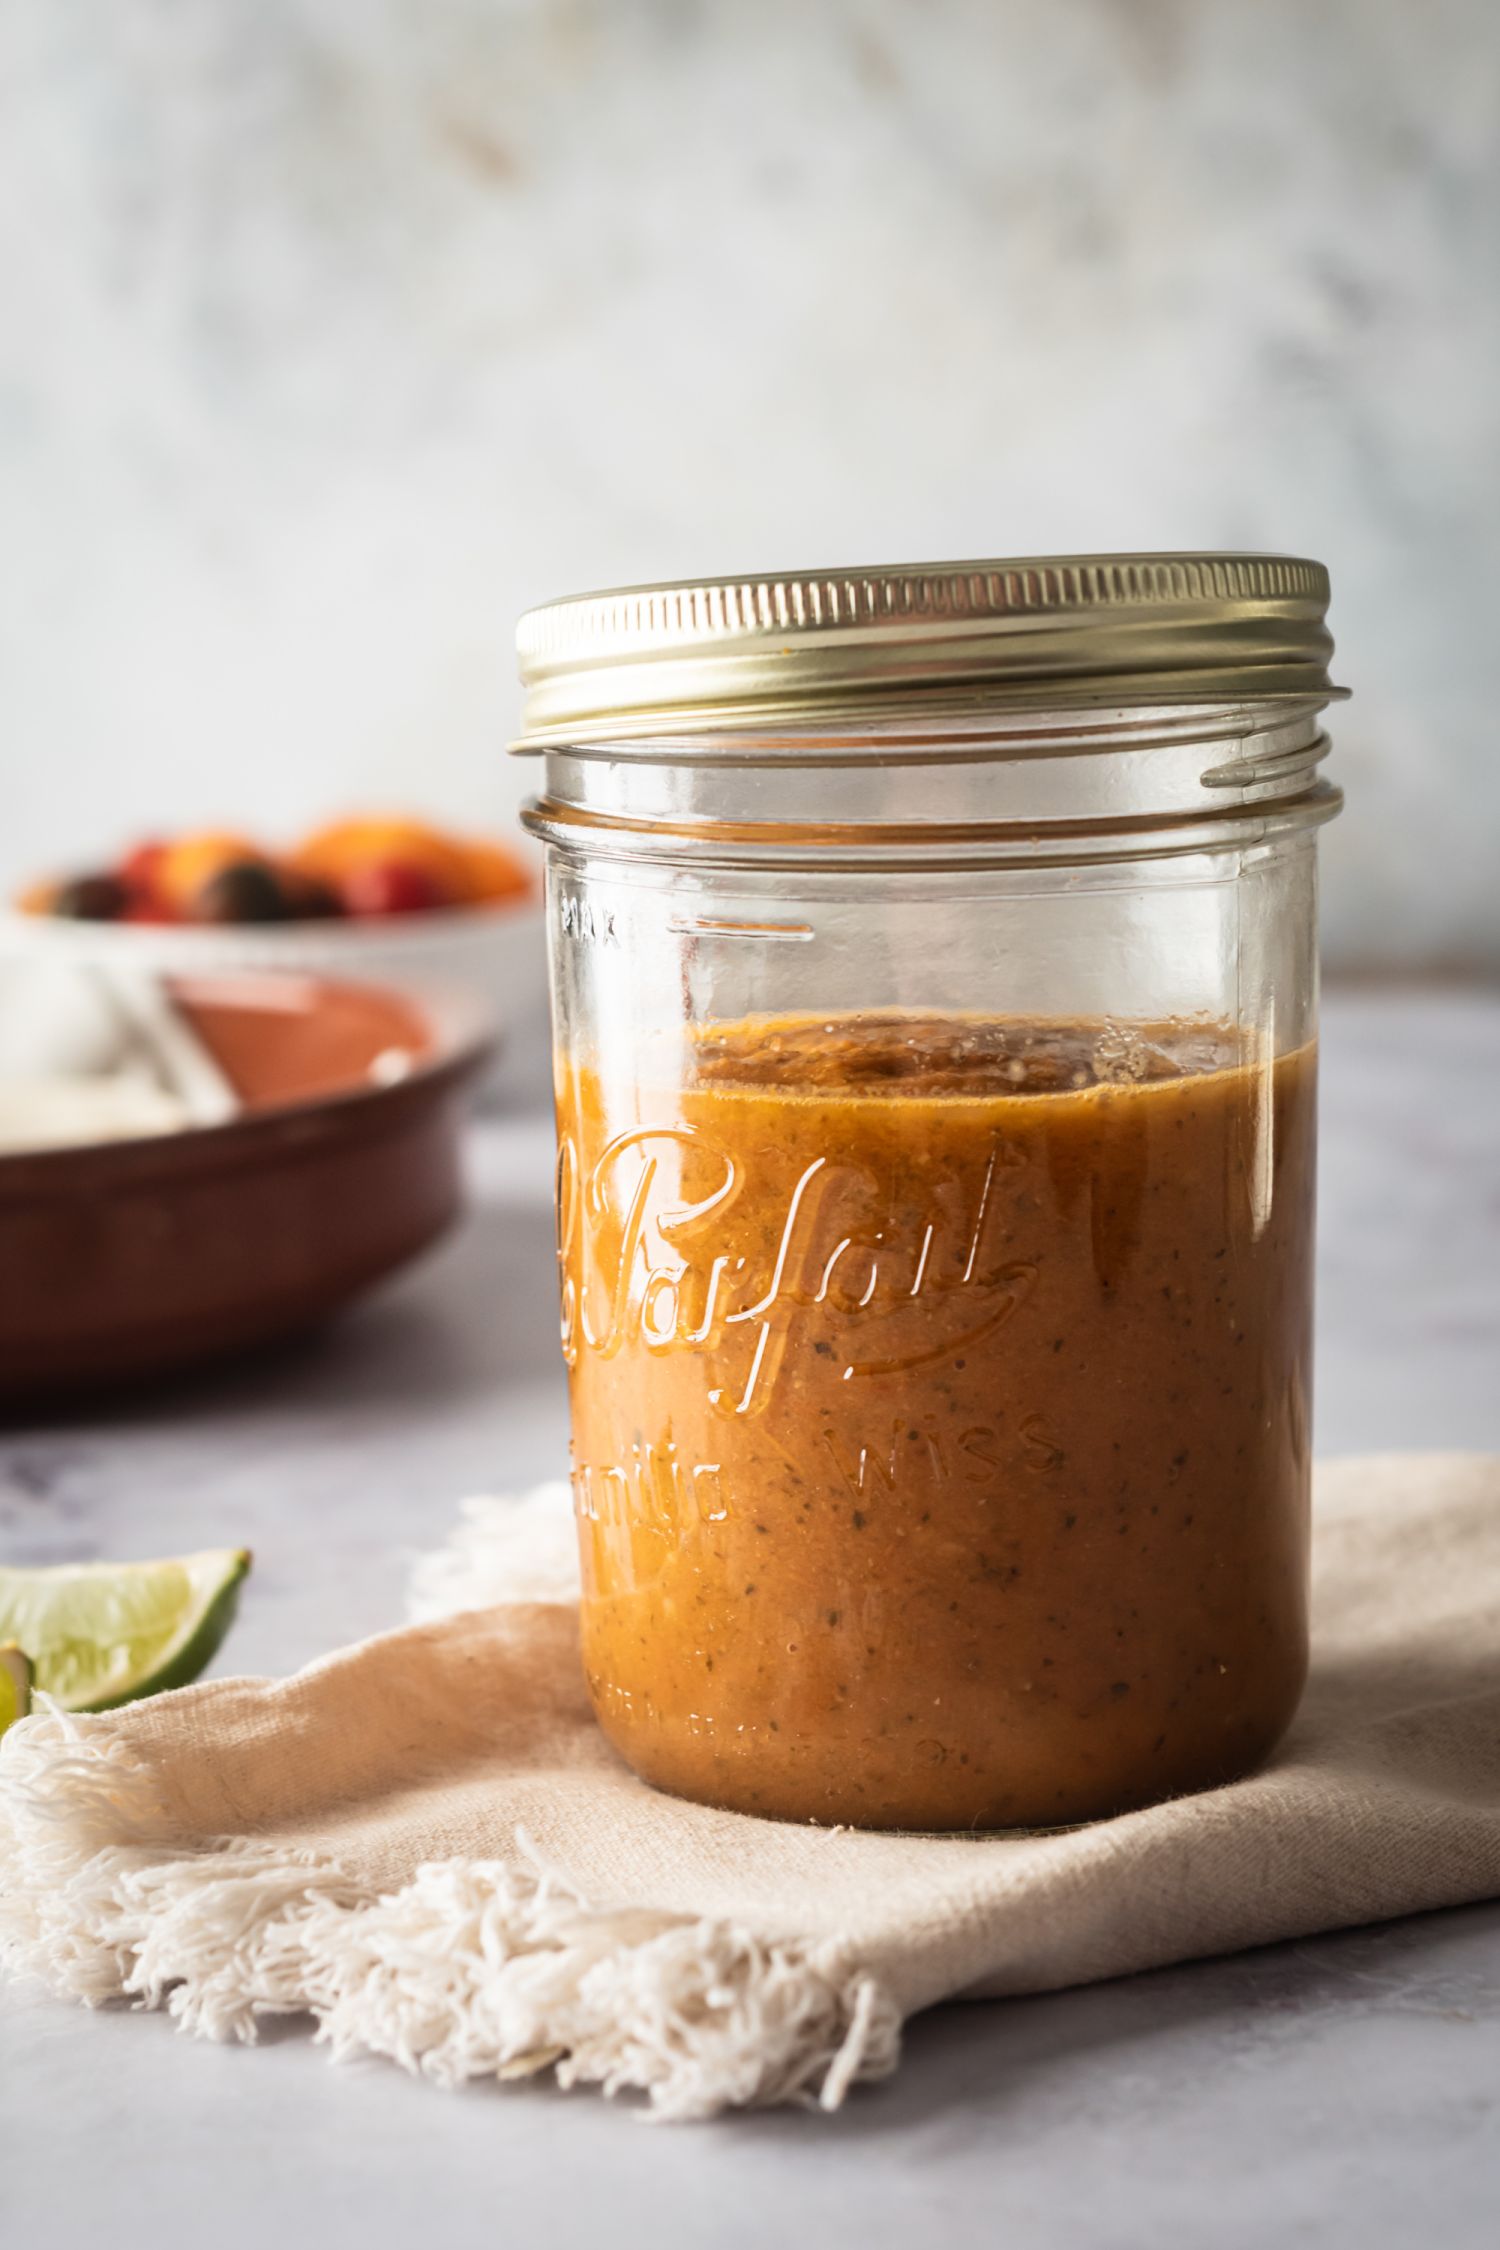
point(1338, 2091)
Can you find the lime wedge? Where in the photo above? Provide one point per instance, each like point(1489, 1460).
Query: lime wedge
point(99, 1634)
point(15, 1684)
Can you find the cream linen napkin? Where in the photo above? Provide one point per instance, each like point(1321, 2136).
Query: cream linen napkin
point(424, 1842)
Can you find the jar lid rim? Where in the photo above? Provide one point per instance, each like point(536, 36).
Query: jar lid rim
point(734, 654)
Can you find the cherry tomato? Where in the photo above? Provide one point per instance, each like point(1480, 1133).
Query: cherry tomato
point(390, 886)
point(142, 861)
point(140, 872)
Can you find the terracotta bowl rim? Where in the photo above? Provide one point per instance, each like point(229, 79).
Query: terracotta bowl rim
point(455, 1054)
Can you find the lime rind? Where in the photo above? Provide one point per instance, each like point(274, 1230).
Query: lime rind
point(103, 1634)
point(15, 1684)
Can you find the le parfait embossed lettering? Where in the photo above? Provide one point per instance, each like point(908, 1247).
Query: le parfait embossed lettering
point(647, 1264)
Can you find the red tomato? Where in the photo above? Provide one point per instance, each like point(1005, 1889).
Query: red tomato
point(390, 886)
point(140, 872)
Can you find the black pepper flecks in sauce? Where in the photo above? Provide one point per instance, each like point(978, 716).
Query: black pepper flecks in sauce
point(986, 1343)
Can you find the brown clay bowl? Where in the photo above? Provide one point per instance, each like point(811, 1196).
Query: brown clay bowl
point(124, 1260)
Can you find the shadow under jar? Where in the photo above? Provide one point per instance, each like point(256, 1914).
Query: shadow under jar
point(934, 984)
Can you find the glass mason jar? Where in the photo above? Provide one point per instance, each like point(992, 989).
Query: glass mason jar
point(934, 985)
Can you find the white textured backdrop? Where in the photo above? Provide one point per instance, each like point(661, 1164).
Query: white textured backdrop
point(334, 331)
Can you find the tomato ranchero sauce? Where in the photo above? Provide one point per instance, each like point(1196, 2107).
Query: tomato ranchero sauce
point(940, 1410)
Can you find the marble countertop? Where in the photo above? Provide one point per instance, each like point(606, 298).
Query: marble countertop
point(1344, 2090)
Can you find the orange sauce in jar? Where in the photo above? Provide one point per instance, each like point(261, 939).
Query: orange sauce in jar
point(940, 1413)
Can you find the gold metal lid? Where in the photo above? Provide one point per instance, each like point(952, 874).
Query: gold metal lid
point(816, 650)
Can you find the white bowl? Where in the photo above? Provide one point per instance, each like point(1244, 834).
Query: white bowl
point(491, 957)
